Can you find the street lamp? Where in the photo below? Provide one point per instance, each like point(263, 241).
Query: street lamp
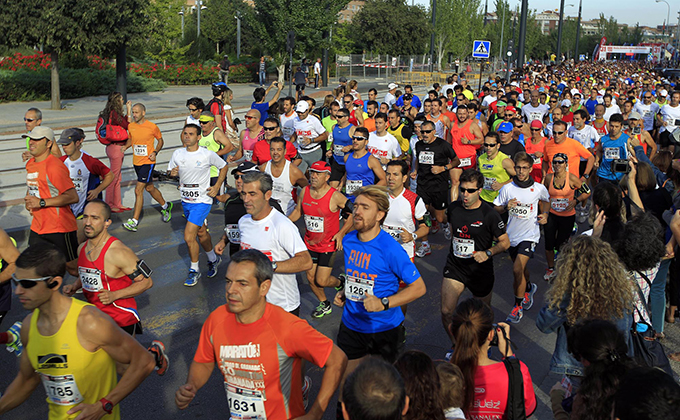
point(181, 13)
point(578, 31)
point(238, 34)
point(198, 6)
point(668, 18)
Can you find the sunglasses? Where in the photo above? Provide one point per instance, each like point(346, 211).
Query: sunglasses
point(490, 145)
point(648, 97)
point(204, 122)
point(29, 119)
point(359, 138)
point(347, 102)
point(535, 129)
point(509, 115)
point(28, 283)
point(559, 132)
point(341, 116)
point(559, 162)
point(192, 109)
point(468, 190)
point(519, 126)
point(426, 131)
point(237, 176)
point(250, 117)
point(269, 128)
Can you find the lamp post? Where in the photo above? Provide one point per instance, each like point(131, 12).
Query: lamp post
point(668, 18)
point(181, 13)
point(238, 34)
point(578, 30)
point(199, 6)
point(559, 32)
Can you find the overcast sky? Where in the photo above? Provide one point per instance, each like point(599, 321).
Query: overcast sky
point(646, 12)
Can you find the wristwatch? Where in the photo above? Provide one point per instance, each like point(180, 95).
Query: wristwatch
point(415, 236)
point(106, 405)
point(42, 203)
point(586, 176)
point(488, 253)
point(274, 265)
point(386, 303)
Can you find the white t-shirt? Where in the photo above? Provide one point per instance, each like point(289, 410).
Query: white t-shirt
point(488, 100)
point(309, 127)
point(587, 136)
point(192, 120)
point(401, 215)
point(317, 68)
point(386, 146)
point(523, 219)
point(531, 113)
point(648, 112)
point(390, 99)
point(670, 115)
point(446, 88)
point(194, 173)
point(288, 125)
point(279, 239)
point(608, 112)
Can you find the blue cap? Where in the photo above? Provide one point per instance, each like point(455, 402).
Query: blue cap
point(505, 127)
point(541, 89)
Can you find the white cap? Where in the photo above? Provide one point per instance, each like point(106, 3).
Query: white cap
point(566, 102)
point(663, 92)
point(514, 84)
point(392, 86)
point(302, 106)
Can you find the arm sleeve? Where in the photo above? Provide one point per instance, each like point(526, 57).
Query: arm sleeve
point(581, 151)
point(95, 165)
point(157, 132)
point(289, 238)
point(449, 152)
point(318, 127)
point(545, 196)
point(496, 223)
point(502, 197)
point(420, 209)
point(205, 353)
point(172, 163)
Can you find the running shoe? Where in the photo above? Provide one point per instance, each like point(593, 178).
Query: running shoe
point(342, 277)
point(212, 267)
point(435, 226)
point(130, 225)
point(323, 308)
point(157, 348)
point(515, 315)
point(166, 214)
point(192, 279)
point(447, 232)
point(305, 391)
point(549, 274)
point(15, 346)
point(528, 300)
point(423, 249)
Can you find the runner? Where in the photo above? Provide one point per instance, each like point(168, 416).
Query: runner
point(216, 105)
point(585, 134)
point(8, 257)
point(610, 108)
point(527, 202)
point(146, 142)
point(32, 119)
point(535, 148)
point(111, 275)
point(50, 193)
point(320, 204)
point(82, 344)
point(442, 124)
point(401, 131)
point(669, 119)
point(285, 176)
point(213, 139)
point(648, 110)
point(192, 164)
point(496, 168)
point(309, 133)
point(643, 137)
point(287, 118)
point(341, 145)
point(259, 348)
point(260, 104)
point(434, 159)
point(372, 324)
point(277, 237)
point(362, 168)
point(250, 136)
point(534, 110)
point(469, 263)
point(381, 144)
point(613, 146)
point(509, 146)
point(570, 147)
point(195, 106)
point(261, 153)
point(466, 138)
point(599, 123)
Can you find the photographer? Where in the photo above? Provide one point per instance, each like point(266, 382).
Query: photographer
point(474, 332)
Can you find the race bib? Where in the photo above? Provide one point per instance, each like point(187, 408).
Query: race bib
point(190, 193)
point(245, 404)
point(248, 154)
point(463, 248)
point(611, 153)
point(337, 150)
point(356, 289)
point(488, 183)
point(61, 389)
point(677, 122)
point(79, 184)
point(91, 278)
point(521, 211)
point(426, 158)
point(233, 234)
point(394, 232)
point(278, 187)
point(139, 150)
point(465, 162)
point(537, 160)
point(34, 190)
point(314, 224)
point(559, 204)
point(353, 185)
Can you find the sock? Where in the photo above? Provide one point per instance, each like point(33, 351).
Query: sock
point(518, 300)
point(528, 288)
point(165, 206)
point(194, 266)
point(5, 338)
point(426, 243)
point(211, 255)
point(135, 221)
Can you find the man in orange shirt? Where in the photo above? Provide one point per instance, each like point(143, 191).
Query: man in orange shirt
point(146, 141)
point(259, 348)
point(49, 196)
point(371, 110)
point(574, 150)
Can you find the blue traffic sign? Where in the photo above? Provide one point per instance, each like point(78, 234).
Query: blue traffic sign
point(481, 49)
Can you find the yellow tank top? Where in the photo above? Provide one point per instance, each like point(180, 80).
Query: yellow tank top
point(210, 143)
point(70, 374)
point(404, 143)
point(493, 171)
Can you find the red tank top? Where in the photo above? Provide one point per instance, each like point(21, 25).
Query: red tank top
point(458, 133)
point(321, 223)
point(93, 278)
point(602, 131)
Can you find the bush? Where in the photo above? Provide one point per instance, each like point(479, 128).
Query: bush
point(193, 74)
point(242, 73)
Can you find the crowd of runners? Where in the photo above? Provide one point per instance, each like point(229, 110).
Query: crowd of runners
point(579, 157)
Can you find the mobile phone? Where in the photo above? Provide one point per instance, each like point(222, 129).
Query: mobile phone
point(144, 268)
point(620, 166)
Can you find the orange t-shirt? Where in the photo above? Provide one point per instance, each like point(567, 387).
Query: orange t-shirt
point(143, 138)
point(570, 147)
point(260, 362)
point(47, 179)
point(369, 124)
point(532, 148)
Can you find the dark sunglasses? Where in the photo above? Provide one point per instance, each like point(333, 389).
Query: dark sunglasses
point(204, 122)
point(237, 176)
point(559, 162)
point(269, 128)
point(648, 97)
point(490, 145)
point(559, 132)
point(535, 129)
point(341, 116)
point(359, 138)
point(468, 190)
point(192, 109)
point(509, 115)
point(29, 119)
point(347, 102)
point(250, 117)
point(28, 283)
point(426, 131)
point(519, 126)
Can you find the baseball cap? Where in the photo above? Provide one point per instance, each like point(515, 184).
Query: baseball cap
point(245, 167)
point(358, 102)
point(40, 132)
point(206, 116)
point(71, 134)
point(392, 86)
point(663, 92)
point(536, 124)
point(342, 79)
point(634, 116)
point(566, 102)
point(302, 106)
point(505, 127)
point(511, 109)
point(501, 103)
point(320, 166)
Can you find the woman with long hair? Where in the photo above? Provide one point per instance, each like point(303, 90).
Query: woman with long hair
point(473, 329)
point(591, 282)
point(422, 386)
point(114, 114)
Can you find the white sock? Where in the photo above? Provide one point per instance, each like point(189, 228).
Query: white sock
point(426, 243)
point(194, 266)
point(211, 256)
point(165, 206)
point(135, 221)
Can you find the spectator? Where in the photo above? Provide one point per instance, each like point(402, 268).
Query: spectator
point(113, 112)
point(262, 71)
point(452, 390)
point(374, 391)
point(224, 69)
point(422, 386)
point(260, 104)
point(647, 394)
point(611, 209)
point(300, 81)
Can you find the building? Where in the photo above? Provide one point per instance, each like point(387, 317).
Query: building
point(350, 10)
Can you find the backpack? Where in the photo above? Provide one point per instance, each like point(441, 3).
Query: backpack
point(100, 131)
point(515, 410)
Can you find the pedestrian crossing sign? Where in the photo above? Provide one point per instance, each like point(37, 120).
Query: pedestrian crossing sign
point(481, 49)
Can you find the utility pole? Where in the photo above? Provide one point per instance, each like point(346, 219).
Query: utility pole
point(181, 13)
point(514, 22)
point(238, 34)
point(522, 33)
point(486, 12)
point(559, 32)
point(578, 30)
point(434, 22)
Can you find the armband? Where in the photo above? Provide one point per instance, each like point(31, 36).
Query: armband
point(584, 189)
point(348, 210)
point(427, 220)
point(142, 269)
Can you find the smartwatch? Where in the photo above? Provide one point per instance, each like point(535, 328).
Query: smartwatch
point(106, 405)
point(488, 253)
point(42, 203)
point(386, 303)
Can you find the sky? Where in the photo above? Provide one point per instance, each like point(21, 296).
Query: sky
point(646, 12)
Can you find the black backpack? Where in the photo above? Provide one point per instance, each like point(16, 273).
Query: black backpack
point(515, 409)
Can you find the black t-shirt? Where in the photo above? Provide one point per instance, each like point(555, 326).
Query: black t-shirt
point(299, 78)
point(437, 153)
point(481, 225)
point(512, 148)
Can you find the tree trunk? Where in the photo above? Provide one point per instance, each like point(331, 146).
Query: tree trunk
point(121, 72)
point(281, 69)
point(54, 73)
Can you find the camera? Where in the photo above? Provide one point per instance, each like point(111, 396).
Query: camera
point(494, 341)
point(620, 166)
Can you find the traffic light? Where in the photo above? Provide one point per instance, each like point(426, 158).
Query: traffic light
point(511, 48)
point(290, 41)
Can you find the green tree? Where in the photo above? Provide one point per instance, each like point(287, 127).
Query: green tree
point(91, 26)
point(219, 24)
point(503, 25)
point(459, 23)
point(392, 27)
point(164, 42)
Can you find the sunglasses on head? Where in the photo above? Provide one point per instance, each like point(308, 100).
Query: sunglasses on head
point(468, 190)
point(426, 131)
point(28, 283)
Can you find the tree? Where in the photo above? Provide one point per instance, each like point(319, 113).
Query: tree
point(164, 42)
point(92, 26)
point(218, 22)
point(503, 25)
point(459, 22)
point(391, 27)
